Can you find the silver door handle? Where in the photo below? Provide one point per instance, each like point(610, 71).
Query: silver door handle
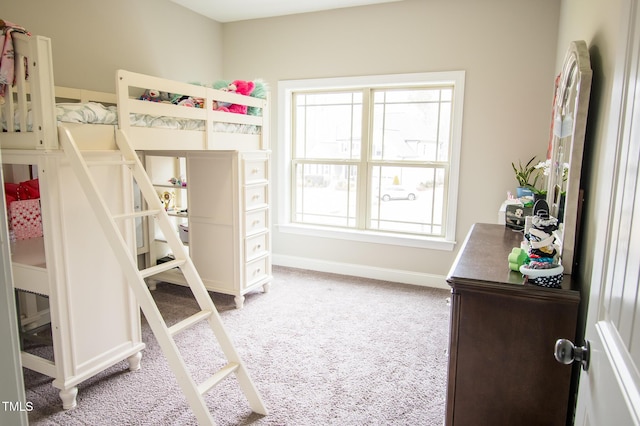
point(566, 353)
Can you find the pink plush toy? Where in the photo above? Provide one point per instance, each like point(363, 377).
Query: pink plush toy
point(241, 87)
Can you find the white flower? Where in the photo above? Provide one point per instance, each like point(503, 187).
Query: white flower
point(546, 168)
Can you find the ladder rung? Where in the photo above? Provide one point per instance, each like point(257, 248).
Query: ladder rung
point(161, 267)
point(188, 322)
point(206, 386)
point(140, 213)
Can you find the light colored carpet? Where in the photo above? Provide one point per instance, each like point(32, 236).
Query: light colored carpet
point(322, 349)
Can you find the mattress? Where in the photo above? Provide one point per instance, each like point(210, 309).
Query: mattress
point(96, 113)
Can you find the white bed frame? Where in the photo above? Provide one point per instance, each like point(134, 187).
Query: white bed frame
point(130, 84)
point(62, 265)
point(41, 94)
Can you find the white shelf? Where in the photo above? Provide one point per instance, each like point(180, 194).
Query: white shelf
point(160, 185)
point(29, 252)
point(179, 214)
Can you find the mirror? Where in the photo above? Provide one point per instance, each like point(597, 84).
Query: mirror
point(571, 104)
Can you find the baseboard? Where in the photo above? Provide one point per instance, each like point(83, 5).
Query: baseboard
point(395, 275)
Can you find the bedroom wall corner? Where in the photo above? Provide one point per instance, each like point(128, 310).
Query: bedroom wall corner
point(92, 39)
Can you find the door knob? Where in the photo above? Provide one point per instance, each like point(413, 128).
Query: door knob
point(566, 353)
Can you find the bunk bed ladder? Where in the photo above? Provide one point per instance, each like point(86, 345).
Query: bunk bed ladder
point(135, 277)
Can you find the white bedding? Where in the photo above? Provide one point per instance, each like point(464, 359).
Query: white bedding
point(89, 112)
point(95, 113)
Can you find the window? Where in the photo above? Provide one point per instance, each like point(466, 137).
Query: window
point(373, 156)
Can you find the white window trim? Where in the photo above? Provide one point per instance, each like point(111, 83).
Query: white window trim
point(285, 89)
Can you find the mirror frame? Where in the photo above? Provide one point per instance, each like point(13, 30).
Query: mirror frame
point(566, 145)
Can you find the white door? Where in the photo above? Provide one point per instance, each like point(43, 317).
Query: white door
point(609, 391)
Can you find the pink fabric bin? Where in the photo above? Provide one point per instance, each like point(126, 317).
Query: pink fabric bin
point(25, 219)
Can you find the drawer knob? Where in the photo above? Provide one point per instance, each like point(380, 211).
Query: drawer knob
point(566, 353)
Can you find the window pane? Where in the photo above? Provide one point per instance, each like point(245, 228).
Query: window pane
point(408, 199)
point(412, 124)
point(408, 95)
point(374, 157)
point(444, 134)
point(325, 194)
point(328, 125)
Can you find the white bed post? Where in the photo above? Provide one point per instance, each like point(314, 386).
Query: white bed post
point(40, 71)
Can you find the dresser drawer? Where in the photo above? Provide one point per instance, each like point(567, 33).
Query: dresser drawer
point(255, 221)
point(256, 246)
point(255, 170)
point(256, 271)
point(255, 197)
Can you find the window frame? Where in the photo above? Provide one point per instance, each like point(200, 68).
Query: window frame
point(284, 176)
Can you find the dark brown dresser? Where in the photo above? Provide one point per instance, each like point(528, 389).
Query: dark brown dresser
point(502, 369)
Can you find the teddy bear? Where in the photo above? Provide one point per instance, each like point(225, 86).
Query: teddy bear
point(241, 87)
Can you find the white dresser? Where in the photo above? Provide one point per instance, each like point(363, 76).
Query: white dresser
point(225, 205)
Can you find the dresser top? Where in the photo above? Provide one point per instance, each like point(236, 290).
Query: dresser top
point(482, 263)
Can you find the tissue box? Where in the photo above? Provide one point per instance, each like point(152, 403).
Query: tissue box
point(25, 219)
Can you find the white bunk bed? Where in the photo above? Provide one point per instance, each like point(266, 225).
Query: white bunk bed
point(95, 318)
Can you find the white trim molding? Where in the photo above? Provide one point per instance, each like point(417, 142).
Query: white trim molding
point(287, 87)
point(373, 237)
point(363, 271)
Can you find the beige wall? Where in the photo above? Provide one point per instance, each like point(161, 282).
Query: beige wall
point(92, 39)
point(506, 47)
point(597, 22)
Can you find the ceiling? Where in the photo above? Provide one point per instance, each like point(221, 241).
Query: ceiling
point(240, 10)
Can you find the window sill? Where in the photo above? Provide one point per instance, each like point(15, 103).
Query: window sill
point(368, 236)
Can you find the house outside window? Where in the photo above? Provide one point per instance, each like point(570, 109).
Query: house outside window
point(372, 157)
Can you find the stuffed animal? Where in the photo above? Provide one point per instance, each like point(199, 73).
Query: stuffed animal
point(241, 87)
point(158, 96)
point(260, 92)
point(225, 87)
point(191, 102)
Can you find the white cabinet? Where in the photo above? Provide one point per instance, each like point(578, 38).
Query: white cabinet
point(95, 320)
point(228, 216)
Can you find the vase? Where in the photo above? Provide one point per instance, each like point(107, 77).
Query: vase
point(523, 192)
